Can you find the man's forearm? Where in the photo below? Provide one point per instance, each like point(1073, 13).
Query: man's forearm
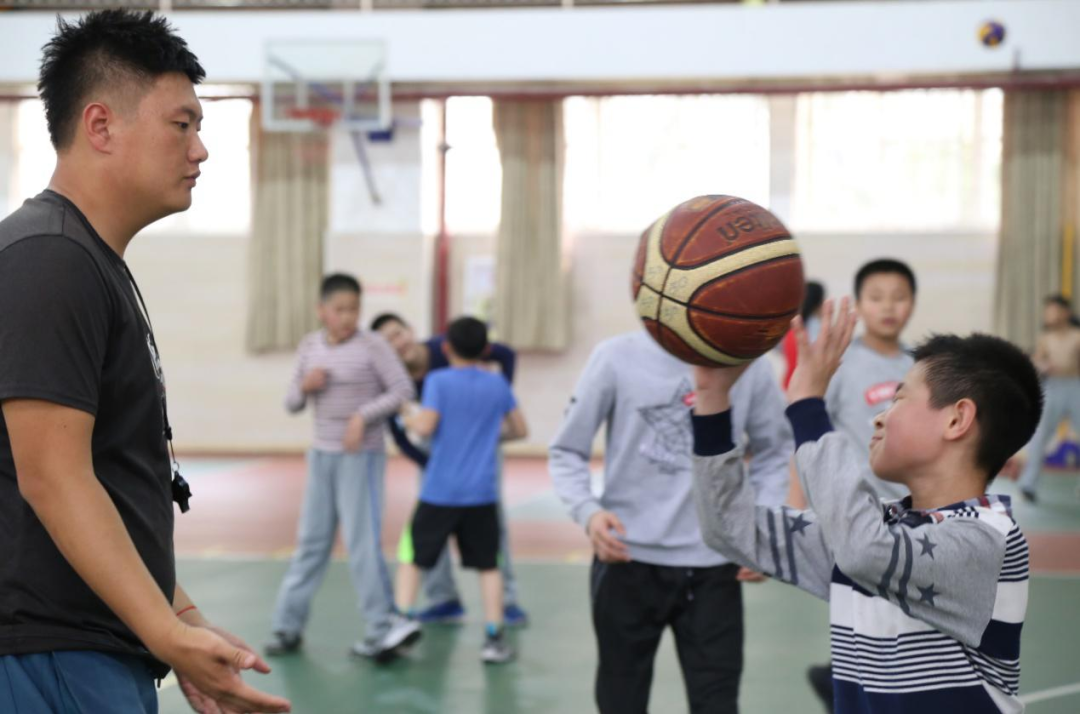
point(185, 609)
point(87, 529)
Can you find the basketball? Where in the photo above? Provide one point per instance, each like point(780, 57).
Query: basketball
point(992, 33)
point(717, 280)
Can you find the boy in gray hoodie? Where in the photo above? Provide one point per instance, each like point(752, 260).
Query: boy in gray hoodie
point(651, 568)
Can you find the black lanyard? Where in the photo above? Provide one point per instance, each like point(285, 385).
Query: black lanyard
point(181, 491)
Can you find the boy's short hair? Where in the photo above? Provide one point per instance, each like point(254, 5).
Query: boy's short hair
point(813, 299)
point(999, 378)
point(338, 283)
point(385, 318)
point(884, 266)
point(468, 337)
point(104, 49)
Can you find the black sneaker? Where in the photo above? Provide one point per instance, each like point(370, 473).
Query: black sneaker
point(821, 682)
point(283, 644)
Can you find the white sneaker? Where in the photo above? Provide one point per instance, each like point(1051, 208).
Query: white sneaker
point(496, 651)
point(403, 632)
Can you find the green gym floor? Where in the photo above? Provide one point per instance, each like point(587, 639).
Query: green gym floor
point(233, 549)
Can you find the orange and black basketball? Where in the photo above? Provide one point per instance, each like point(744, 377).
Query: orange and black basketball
point(717, 280)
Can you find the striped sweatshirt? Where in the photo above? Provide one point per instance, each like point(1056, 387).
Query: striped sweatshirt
point(925, 607)
point(366, 377)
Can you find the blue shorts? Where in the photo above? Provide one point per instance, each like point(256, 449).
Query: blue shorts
point(76, 683)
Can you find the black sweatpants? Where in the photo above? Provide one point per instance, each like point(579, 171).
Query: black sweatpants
point(632, 604)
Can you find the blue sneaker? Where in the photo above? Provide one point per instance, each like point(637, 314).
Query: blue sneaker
point(450, 612)
point(514, 616)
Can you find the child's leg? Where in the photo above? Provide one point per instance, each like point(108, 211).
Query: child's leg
point(1053, 410)
point(439, 585)
point(406, 587)
point(510, 594)
point(477, 536)
point(430, 532)
point(359, 487)
point(315, 539)
point(491, 592)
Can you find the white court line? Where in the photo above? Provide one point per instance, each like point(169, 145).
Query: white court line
point(1052, 693)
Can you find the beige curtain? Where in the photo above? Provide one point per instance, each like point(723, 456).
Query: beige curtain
point(291, 205)
point(531, 287)
point(1033, 217)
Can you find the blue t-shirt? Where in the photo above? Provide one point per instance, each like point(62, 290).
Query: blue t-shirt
point(472, 404)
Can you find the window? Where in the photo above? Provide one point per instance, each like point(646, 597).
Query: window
point(222, 203)
point(473, 169)
point(630, 159)
point(898, 161)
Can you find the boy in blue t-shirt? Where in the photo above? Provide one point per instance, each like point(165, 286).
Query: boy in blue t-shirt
point(466, 411)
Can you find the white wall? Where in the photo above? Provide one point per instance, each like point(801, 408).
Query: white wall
point(868, 40)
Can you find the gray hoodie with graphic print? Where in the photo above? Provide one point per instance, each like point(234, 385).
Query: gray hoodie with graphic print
point(642, 395)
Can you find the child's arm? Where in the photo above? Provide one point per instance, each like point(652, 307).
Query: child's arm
point(303, 381)
point(397, 387)
point(505, 357)
point(1041, 358)
point(514, 426)
point(782, 542)
point(591, 405)
point(423, 421)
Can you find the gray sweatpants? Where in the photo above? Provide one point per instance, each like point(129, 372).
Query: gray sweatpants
point(344, 489)
point(438, 583)
point(1062, 400)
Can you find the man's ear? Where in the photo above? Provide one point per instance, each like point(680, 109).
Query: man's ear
point(97, 124)
point(962, 420)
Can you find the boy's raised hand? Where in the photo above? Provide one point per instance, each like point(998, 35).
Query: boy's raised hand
point(713, 387)
point(819, 360)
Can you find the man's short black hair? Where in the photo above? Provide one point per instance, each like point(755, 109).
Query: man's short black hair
point(884, 266)
point(999, 378)
point(384, 318)
point(338, 283)
point(468, 336)
point(103, 49)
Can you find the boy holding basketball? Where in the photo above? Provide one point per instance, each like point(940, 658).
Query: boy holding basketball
point(466, 410)
point(928, 595)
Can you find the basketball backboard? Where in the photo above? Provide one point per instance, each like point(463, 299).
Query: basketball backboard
point(310, 84)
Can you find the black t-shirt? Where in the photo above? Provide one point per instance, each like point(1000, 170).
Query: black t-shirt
point(72, 333)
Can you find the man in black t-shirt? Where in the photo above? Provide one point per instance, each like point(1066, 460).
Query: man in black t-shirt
point(90, 610)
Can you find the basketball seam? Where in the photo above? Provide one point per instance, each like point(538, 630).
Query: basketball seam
point(734, 316)
point(778, 239)
point(725, 276)
point(693, 231)
point(704, 339)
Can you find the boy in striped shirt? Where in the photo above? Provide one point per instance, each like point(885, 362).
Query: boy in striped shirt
point(355, 382)
point(927, 595)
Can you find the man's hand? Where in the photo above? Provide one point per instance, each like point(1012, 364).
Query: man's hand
point(354, 434)
point(315, 381)
point(713, 387)
point(746, 575)
point(208, 668)
point(607, 547)
point(818, 361)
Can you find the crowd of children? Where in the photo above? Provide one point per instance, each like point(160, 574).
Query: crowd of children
point(898, 533)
